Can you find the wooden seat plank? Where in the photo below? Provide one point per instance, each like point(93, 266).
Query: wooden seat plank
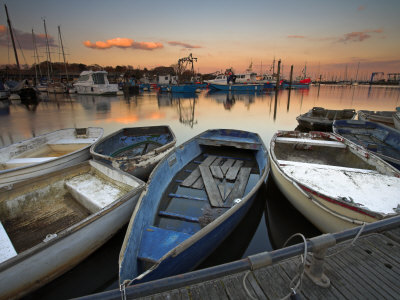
point(227, 164)
point(211, 187)
point(199, 184)
point(191, 178)
point(234, 170)
point(216, 172)
point(239, 186)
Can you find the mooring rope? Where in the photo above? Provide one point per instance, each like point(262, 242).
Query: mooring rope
point(352, 242)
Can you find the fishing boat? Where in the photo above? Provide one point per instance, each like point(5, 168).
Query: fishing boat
point(251, 87)
point(383, 117)
point(319, 118)
point(4, 92)
point(46, 153)
point(50, 223)
point(95, 83)
point(333, 182)
point(195, 198)
point(383, 140)
point(135, 150)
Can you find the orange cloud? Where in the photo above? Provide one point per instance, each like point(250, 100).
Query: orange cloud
point(361, 8)
point(123, 43)
point(184, 45)
point(3, 28)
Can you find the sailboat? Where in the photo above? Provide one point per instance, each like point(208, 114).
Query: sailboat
point(23, 89)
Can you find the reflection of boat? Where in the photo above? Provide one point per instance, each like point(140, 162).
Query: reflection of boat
point(383, 117)
point(252, 87)
point(52, 222)
point(4, 92)
point(135, 150)
point(383, 140)
point(46, 153)
point(184, 216)
point(333, 182)
point(95, 83)
point(319, 118)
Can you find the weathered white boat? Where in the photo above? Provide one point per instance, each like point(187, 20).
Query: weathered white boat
point(46, 153)
point(95, 83)
point(333, 182)
point(319, 118)
point(135, 150)
point(52, 222)
point(396, 120)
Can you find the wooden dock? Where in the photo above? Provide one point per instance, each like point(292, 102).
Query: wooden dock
point(368, 269)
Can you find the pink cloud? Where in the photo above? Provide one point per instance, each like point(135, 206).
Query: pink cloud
point(359, 36)
point(296, 36)
point(184, 45)
point(361, 8)
point(25, 38)
point(123, 43)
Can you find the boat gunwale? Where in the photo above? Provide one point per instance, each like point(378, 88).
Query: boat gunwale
point(209, 227)
point(306, 190)
point(26, 167)
point(138, 158)
point(67, 232)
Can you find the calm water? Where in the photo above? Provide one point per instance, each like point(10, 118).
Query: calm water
point(272, 219)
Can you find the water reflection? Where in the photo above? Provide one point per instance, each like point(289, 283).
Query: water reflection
point(229, 98)
point(186, 107)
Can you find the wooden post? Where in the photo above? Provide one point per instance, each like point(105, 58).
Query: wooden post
point(291, 76)
point(277, 75)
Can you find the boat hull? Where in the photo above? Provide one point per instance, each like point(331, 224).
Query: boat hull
point(44, 262)
point(238, 87)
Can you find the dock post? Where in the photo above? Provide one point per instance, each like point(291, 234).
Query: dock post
point(315, 266)
point(291, 77)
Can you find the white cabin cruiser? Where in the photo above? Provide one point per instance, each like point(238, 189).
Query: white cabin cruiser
point(95, 83)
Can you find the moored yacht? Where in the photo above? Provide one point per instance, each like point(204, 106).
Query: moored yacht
point(95, 83)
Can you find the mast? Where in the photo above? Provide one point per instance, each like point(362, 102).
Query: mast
point(34, 56)
point(358, 66)
point(49, 67)
point(62, 48)
point(12, 39)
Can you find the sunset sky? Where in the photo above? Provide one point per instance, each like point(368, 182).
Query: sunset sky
point(328, 36)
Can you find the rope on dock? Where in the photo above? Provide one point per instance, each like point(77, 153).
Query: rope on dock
point(352, 242)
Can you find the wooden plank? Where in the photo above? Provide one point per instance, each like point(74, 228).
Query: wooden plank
point(287, 140)
point(233, 171)
point(227, 164)
point(217, 161)
point(211, 187)
point(251, 281)
point(224, 190)
point(215, 290)
point(239, 186)
point(216, 172)
point(191, 178)
point(199, 184)
point(234, 287)
point(209, 160)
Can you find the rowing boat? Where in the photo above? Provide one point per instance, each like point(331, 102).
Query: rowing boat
point(319, 118)
point(135, 150)
point(333, 182)
point(195, 198)
point(46, 153)
point(50, 223)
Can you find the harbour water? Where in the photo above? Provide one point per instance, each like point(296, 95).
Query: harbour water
point(272, 219)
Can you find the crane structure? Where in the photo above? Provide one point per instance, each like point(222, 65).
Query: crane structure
point(184, 62)
point(375, 74)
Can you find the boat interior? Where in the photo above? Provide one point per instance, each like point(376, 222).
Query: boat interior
point(49, 204)
point(199, 193)
point(314, 151)
point(374, 139)
point(131, 142)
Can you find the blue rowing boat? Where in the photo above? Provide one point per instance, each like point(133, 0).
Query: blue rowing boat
point(195, 198)
point(179, 88)
point(383, 140)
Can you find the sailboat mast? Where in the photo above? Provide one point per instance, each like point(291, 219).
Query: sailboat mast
point(12, 39)
point(358, 66)
point(62, 48)
point(49, 67)
point(34, 56)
